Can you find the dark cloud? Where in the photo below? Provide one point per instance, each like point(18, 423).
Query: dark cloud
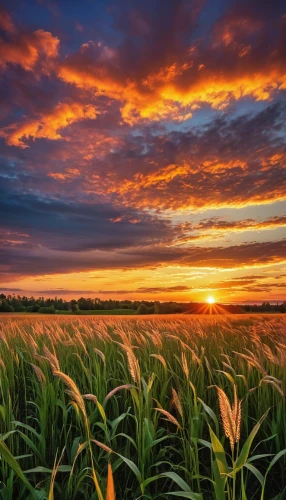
point(177, 288)
point(11, 290)
point(41, 261)
point(71, 226)
point(64, 291)
point(148, 169)
point(246, 224)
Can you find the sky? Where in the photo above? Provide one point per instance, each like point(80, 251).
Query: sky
point(143, 149)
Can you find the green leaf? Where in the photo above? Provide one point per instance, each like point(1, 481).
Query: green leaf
point(114, 423)
point(258, 457)
point(64, 468)
point(61, 468)
point(31, 444)
point(159, 440)
point(247, 445)
point(274, 460)
point(132, 466)
point(74, 447)
point(6, 435)
point(39, 469)
point(38, 495)
point(211, 413)
point(8, 457)
point(186, 494)
point(29, 428)
point(177, 479)
point(255, 471)
point(219, 453)
point(205, 443)
point(264, 441)
point(219, 482)
point(148, 439)
point(127, 437)
point(24, 456)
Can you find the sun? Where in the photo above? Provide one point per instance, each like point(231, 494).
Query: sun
point(210, 300)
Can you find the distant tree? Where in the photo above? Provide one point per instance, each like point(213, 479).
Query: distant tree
point(5, 306)
point(20, 309)
point(47, 310)
point(74, 305)
point(156, 308)
point(143, 309)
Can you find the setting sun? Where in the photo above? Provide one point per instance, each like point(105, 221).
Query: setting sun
point(210, 300)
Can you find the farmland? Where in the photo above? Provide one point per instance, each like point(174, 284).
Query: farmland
point(180, 406)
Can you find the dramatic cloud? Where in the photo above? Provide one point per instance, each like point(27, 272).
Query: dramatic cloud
point(67, 226)
point(26, 49)
point(47, 126)
point(238, 58)
point(40, 260)
point(214, 228)
point(216, 166)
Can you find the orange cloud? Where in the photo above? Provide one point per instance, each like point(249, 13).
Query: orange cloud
point(216, 228)
point(48, 125)
point(161, 176)
point(26, 49)
point(184, 185)
point(163, 97)
point(70, 173)
point(135, 104)
point(230, 68)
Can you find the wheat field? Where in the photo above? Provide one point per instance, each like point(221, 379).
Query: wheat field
point(139, 408)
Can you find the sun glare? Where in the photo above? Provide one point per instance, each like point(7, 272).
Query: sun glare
point(210, 300)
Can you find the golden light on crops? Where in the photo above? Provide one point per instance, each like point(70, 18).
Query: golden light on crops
point(210, 300)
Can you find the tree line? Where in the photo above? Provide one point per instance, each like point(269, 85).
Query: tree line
point(265, 307)
point(17, 303)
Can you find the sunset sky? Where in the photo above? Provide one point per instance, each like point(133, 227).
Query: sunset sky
point(143, 149)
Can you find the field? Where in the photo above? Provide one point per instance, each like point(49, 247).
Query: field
point(183, 406)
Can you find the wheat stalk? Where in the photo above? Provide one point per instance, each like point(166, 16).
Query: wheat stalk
point(170, 417)
point(230, 415)
point(177, 402)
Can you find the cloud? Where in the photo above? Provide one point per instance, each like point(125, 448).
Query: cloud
point(17, 263)
point(11, 290)
point(48, 125)
point(64, 291)
point(67, 225)
point(6, 22)
point(242, 225)
point(26, 49)
point(165, 170)
point(177, 288)
point(215, 227)
point(238, 58)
